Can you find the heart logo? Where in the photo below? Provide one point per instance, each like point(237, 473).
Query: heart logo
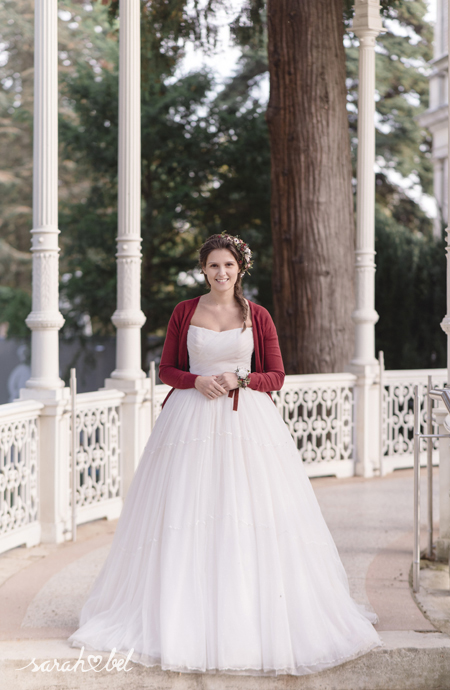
point(95, 661)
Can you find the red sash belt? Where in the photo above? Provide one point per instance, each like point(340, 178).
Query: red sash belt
point(234, 393)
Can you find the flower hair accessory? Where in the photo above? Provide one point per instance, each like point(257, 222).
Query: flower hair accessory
point(244, 250)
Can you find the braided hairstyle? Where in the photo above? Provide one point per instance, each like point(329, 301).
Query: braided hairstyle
point(221, 242)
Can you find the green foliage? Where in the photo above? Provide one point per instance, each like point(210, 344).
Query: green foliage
point(403, 51)
point(198, 162)
point(240, 201)
point(209, 172)
point(403, 88)
point(206, 167)
point(388, 8)
point(15, 305)
point(178, 162)
point(82, 40)
point(176, 153)
point(89, 284)
point(410, 277)
point(409, 296)
point(16, 78)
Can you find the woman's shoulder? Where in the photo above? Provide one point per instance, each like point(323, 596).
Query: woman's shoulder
point(186, 304)
point(261, 312)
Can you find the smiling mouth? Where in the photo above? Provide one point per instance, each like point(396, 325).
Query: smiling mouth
point(221, 281)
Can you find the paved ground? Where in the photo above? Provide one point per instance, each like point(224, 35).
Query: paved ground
point(42, 588)
point(371, 521)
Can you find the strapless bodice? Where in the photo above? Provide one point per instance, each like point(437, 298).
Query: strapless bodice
point(214, 352)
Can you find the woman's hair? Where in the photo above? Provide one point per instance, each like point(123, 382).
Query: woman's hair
point(220, 242)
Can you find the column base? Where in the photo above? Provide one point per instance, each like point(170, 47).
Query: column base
point(46, 395)
point(53, 474)
point(135, 423)
point(364, 369)
point(55, 533)
point(367, 404)
point(128, 385)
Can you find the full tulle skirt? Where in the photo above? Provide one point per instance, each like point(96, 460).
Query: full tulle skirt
point(222, 561)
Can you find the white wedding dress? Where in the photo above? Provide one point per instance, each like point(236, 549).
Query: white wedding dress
point(222, 561)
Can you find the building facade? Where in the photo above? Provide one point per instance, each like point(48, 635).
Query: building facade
point(436, 117)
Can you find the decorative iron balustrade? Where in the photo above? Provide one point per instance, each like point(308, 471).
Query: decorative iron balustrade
point(318, 409)
point(19, 470)
point(98, 455)
point(159, 393)
point(398, 417)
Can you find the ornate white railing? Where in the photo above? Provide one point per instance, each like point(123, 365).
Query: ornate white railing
point(157, 396)
point(19, 474)
point(398, 418)
point(98, 455)
point(318, 410)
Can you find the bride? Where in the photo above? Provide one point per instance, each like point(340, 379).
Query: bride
point(221, 560)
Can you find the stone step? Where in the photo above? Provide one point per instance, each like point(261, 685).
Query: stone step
point(408, 661)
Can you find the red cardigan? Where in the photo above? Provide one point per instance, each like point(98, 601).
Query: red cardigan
point(267, 371)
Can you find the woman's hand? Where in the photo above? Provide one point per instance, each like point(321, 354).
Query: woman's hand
point(228, 380)
point(209, 386)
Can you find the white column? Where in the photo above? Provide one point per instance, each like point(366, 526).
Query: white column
point(128, 317)
point(45, 319)
point(366, 25)
point(443, 542)
point(445, 323)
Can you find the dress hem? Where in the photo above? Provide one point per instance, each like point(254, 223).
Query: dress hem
point(308, 669)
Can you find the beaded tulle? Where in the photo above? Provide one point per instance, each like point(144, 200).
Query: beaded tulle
point(222, 561)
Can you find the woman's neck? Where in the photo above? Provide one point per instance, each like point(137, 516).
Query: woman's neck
point(222, 299)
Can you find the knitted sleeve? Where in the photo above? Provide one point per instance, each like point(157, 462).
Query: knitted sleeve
point(169, 371)
point(272, 378)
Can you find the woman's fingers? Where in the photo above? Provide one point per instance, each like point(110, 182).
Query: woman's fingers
point(210, 388)
point(215, 390)
point(221, 380)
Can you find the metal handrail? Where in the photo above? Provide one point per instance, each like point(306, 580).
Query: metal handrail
point(73, 445)
point(430, 468)
point(381, 411)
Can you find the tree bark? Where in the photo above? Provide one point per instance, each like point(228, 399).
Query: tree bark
point(311, 185)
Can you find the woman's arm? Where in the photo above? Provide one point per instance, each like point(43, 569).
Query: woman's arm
point(169, 372)
point(273, 377)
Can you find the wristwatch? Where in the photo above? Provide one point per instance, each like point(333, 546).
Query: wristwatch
point(243, 376)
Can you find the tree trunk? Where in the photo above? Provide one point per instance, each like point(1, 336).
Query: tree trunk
point(311, 185)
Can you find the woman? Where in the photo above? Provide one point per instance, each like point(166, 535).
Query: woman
point(222, 561)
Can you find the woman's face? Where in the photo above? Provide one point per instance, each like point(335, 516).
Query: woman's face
point(221, 269)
